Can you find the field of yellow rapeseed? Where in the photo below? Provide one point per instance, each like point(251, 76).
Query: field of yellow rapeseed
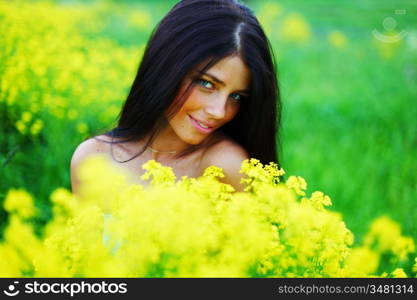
point(193, 227)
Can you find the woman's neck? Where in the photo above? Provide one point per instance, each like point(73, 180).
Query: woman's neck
point(166, 145)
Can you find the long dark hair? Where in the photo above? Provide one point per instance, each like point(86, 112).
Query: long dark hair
point(205, 31)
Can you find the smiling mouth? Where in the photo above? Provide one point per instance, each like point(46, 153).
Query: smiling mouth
point(200, 125)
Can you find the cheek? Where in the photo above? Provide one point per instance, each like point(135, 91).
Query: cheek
point(189, 104)
point(194, 101)
point(179, 120)
point(232, 111)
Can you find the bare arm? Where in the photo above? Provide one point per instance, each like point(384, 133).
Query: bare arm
point(85, 149)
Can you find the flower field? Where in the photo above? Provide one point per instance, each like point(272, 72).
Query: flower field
point(348, 77)
point(193, 228)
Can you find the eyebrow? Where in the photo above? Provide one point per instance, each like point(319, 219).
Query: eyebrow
point(214, 78)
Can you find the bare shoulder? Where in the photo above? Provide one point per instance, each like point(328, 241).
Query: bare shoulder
point(227, 155)
point(89, 147)
point(85, 149)
point(224, 152)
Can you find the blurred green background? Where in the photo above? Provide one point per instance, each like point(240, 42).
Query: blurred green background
point(347, 72)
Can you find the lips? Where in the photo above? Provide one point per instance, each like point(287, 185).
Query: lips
point(201, 126)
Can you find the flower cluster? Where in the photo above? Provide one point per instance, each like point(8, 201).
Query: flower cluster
point(190, 227)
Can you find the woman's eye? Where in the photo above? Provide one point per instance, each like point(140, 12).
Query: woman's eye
point(236, 96)
point(205, 83)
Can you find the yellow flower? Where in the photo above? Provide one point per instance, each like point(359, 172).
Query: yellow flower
point(356, 259)
point(20, 125)
point(196, 227)
point(268, 14)
point(160, 176)
point(387, 48)
point(26, 117)
point(102, 182)
point(385, 236)
point(296, 28)
point(19, 202)
point(399, 273)
point(298, 184)
point(64, 202)
point(72, 114)
point(36, 127)
point(213, 172)
point(140, 19)
point(337, 39)
point(82, 127)
point(415, 265)
point(10, 262)
point(319, 200)
point(34, 107)
point(271, 9)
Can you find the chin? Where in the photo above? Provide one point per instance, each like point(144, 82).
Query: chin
point(194, 140)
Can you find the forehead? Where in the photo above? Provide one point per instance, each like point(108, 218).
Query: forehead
point(231, 70)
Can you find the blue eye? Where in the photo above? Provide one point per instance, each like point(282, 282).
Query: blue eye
point(236, 96)
point(205, 83)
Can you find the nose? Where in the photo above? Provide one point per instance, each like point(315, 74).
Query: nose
point(216, 108)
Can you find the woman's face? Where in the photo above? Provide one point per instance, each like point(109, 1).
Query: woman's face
point(213, 101)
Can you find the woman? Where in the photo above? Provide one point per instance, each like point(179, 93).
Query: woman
point(205, 94)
